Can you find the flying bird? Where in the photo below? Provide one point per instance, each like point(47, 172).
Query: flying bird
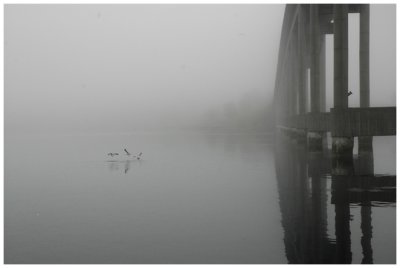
point(126, 151)
point(349, 93)
point(139, 155)
point(112, 154)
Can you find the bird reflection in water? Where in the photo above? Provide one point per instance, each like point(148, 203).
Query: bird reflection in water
point(125, 165)
point(114, 164)
point(304, 179)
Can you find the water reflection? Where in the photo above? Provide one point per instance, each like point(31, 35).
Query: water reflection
point(366, 228)
point(116, 165)
point(303, 183)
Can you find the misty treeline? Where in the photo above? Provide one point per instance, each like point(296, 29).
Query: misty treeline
point(253, 112)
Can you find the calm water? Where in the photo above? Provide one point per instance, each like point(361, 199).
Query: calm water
point(192, 198)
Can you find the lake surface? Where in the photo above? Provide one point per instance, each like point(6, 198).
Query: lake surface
point(192, 198)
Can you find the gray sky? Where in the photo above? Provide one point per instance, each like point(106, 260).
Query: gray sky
point(114, 66)
point(102, 64)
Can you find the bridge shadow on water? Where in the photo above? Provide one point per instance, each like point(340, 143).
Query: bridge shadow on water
point(308, 192)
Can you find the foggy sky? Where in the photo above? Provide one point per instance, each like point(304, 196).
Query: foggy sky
point(121, 67)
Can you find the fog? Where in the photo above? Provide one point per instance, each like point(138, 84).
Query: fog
point(139, 67)
point(124, 67)
point(142, 134)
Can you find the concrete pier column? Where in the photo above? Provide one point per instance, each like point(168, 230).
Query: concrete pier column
point(284, 103)
point(364, 55)
point(341, 61)
point(315, 138)
point(315, 61)
point(341, 146)
point(364, 142)
point(301, 63)
point(290, 76)
point(322, 74)
point(301, 69)
point(322, 87)
point(294, 71)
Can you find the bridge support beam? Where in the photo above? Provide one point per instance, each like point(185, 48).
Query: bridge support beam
point(341, 146)
point(364, 143)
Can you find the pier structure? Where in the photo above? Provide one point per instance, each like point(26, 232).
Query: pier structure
point(300, 86)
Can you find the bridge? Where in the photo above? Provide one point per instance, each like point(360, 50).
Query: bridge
point(301, 68)
point(301, 114)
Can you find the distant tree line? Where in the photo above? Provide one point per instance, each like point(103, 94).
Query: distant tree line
point(252, 113)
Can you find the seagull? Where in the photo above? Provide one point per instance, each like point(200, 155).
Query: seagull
point(112, 154)
point(127, 152)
